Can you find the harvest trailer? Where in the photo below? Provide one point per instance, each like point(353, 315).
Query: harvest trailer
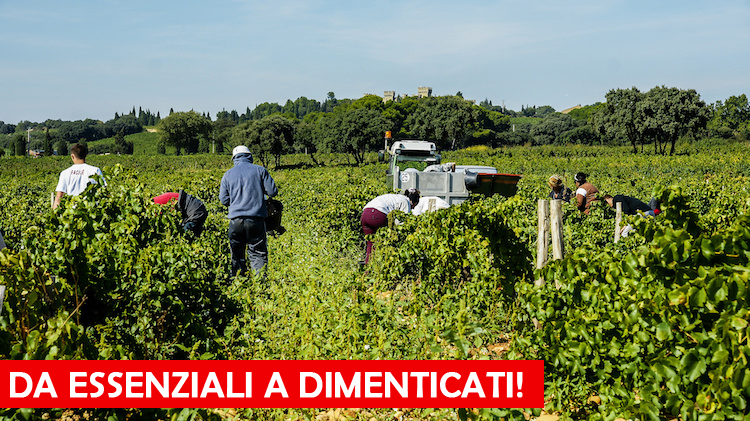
point(416, 164)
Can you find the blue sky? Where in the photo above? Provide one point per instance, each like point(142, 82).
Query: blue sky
point(73, 60)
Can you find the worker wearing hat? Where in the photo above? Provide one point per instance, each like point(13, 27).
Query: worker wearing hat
point(559, 191)
point(243, 189)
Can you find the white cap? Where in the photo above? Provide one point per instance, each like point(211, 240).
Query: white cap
point(240, 149)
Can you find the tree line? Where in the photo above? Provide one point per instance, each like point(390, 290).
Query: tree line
point(354, 127)
point(658, 117)
point(57, 135)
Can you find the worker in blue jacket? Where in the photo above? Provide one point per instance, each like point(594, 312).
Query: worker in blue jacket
point(244, 189)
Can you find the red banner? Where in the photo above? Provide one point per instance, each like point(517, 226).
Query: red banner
point(272, 384)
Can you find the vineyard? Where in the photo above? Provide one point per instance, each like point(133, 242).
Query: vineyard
point(652, 327)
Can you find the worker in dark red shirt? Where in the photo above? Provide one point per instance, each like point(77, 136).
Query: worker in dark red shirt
point(585, 193)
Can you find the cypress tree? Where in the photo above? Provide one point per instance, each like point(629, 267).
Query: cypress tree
point(19, 144)
point(62, 147)
point(123, 146)
point(47, 143)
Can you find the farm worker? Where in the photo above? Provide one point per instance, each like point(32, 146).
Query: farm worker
point(193, 211)
point(630, 205)
point(74, 180)
point(428, 204)
point(559, 191)
point(375, 213)
point(447, 167)
point(585, 193)
point(243, 190)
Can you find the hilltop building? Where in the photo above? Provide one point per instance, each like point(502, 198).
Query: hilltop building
point(424, 91)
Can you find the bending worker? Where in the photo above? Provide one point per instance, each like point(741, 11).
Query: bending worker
point(429, 204)
point(559, 191)
point(585, 193)
point(193, 211)
point(630, 205)
point(375, 213)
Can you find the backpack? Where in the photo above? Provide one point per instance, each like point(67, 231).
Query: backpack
point(273, 220)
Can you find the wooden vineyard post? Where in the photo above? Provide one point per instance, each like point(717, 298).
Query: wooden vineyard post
point(431, 205)
point(542, 242)
point(618, 220)
point(556, 226)
point(550, 220)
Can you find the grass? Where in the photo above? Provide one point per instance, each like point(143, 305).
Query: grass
point(144, 143)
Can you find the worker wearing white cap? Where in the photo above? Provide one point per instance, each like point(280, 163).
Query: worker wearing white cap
point(243, 189)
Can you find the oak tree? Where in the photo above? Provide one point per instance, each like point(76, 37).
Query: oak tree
point(183, 130)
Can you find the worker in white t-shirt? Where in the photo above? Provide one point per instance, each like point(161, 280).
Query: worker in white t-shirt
point(429, 204)
point(73, 181)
